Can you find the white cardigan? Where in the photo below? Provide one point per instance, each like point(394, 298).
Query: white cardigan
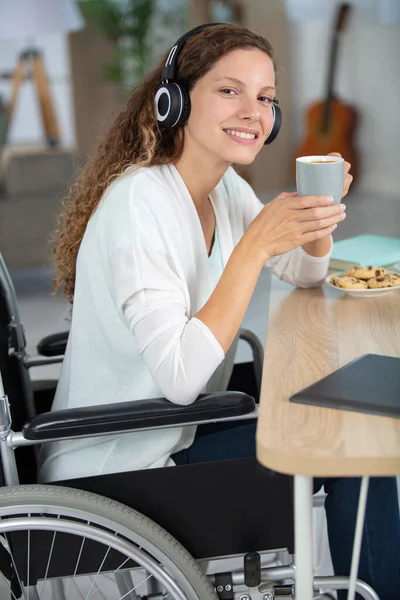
point(142, 273)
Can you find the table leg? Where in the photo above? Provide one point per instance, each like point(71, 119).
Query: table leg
point(303, 532)
point(355, 561)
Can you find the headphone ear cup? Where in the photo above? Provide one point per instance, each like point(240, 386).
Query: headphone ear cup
point(186, 106)
point(172, 103)
point(276, 126)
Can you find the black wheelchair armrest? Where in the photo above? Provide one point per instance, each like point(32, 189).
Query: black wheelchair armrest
point(53, 345)
point(131, 416)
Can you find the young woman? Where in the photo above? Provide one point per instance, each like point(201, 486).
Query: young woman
point(160, 247)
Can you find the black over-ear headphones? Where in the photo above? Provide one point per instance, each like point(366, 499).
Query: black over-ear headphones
point(172, 100)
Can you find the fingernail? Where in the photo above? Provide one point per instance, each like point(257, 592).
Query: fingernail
point(343, 207)
point(330, 199)
point(334, 226)
point(343, 215)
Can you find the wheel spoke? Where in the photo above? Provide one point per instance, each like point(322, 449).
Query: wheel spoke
point(100, 592)
point(99, 569)
point(107, 579)
point(80, 554)
point(49, 559)
point(29, 560)
point(136, 587)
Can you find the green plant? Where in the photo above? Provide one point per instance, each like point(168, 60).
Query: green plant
point(138, 27)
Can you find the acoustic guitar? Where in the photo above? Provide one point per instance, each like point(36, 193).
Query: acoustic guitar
point(331, 123)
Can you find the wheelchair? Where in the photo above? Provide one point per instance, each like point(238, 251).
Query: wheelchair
point(220, 530)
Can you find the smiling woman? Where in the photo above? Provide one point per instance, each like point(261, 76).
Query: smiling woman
point(160, 247)
point(154, 202)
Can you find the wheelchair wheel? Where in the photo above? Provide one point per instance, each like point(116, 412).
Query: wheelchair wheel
point(60, 543)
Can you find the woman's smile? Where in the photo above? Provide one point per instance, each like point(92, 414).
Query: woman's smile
point(242, 136)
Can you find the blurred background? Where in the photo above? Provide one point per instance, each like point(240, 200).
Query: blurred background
point(91, 53)
point(67, 67)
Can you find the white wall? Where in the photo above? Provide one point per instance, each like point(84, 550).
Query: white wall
point(26, 126)
point(368, 77)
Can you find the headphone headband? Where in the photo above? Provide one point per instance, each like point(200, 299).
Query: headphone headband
point(169, 70)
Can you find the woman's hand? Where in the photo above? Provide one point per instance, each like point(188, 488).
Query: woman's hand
point(347, 177)
point(290, 221)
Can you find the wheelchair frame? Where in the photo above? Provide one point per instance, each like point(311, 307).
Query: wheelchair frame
point(10, 440)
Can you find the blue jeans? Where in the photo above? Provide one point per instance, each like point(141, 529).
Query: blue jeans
point(380, 551)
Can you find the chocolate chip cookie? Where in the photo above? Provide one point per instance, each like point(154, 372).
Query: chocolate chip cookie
point(386, 281)
point(350, 283)
point(366, 272)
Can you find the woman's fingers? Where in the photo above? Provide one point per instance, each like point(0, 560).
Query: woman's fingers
point(347, 177)
point(284, 195)
point(347, 183)
point(323, 223)
point(317, 234)
point(321, 212)
point(302, 202)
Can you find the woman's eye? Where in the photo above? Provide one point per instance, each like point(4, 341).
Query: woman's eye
point(266, 100)
point(228, 91)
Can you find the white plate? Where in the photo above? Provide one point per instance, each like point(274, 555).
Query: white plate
point(361, 293)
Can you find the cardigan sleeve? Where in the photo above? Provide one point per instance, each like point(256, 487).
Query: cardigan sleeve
point(296, 267)
point(180, 352)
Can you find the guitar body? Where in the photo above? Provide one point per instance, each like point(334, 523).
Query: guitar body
point(338, 136)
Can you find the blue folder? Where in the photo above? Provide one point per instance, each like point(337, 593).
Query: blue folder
point(375, 250)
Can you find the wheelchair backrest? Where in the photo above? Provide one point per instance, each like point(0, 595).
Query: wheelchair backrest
point(15, 375)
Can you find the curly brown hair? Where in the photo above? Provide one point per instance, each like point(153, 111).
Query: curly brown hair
point(135, 140)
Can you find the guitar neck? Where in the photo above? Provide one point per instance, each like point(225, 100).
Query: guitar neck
point(330, 81)
point(342, 14)
point(329, 94)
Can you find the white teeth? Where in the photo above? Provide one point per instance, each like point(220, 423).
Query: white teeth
point(241, 134)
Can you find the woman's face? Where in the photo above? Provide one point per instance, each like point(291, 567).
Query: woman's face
point(231, 113)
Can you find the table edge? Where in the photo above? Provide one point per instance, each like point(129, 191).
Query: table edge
point(326, 466)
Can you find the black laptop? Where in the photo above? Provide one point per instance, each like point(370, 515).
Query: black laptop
point(370, 384)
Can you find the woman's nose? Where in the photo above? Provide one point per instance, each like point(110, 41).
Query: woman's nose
point(249, 109)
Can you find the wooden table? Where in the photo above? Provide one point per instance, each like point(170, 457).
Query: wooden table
point(311, 333)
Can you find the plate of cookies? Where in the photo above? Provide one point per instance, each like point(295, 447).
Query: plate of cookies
point(365, 282)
